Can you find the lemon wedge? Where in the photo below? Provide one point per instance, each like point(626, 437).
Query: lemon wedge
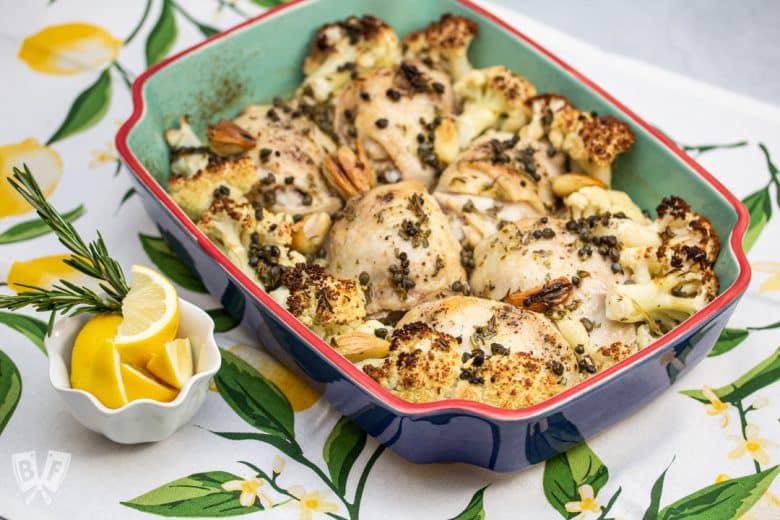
point(90, 338)
point(105, 381)
point(150, 312)
point(139, 385)
point(174, 363)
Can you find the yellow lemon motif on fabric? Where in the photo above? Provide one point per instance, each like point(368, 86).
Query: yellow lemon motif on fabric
point(44, 162)
point(90, 338)
point(69, 48)
point(44, 272)
point(773, 269)
point(106, 377)
point(139, 385)
point(300, 394)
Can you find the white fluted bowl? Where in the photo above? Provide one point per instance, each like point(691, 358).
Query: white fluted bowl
point(143, 420)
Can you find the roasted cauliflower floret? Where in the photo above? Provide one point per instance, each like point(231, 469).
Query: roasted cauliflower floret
point(288, 152)
point(396, 239)
point(221, 178)
point(593, 142)
point(188, 156)
point(679, 286)
point(323, 302)
point(255, 240)
point(491, 98)
point(344, 48)
point(679, 225)
point(228, 224)
point(670, 281)
point(443, 45)
point(599, 201)
point(400, 118)
point(471, 348)
point(498, 178)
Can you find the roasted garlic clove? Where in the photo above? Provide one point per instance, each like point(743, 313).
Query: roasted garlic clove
point(445, 143)
point(358, 346)
point(349, 172)
point(310, 233)
point(541, 299)
point(227, 138)
point(568, 183)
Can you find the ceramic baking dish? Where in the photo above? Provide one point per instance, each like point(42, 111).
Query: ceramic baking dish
point(260, 59)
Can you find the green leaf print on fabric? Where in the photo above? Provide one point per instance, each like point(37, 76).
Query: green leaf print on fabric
point(35, 228)
point(10, 389)
point(169, 263)
point(286, 446)
point(162, 36)
point(724, 501)
point(261, 404)
point(564, 474)
point(475, 510)
point(267, 3)
point(223, 320)
point(345, 443)
point(89, 107)
point(129, 193)
point(697, 150)
point(760, 376)
point(773, 171)
point(33, 328)
point(759, 205)
point(205, 30)
point(253, 397)
point(199, 495)
point(728, 339)
point(655, 496)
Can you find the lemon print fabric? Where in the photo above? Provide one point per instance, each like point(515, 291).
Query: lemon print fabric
point(44, 272)
point(69, 49)
point(297, 391)
point(45, 164)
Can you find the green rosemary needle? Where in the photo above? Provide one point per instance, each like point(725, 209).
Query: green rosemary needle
point(90, 258)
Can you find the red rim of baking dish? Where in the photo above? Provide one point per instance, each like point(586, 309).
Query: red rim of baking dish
point(352, 371)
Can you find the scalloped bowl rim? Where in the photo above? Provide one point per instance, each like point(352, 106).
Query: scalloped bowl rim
point(351, 371)
point(181, 397)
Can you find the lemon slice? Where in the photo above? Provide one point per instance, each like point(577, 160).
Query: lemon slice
point(174, 363)
point(139, 385)
point(106, 378)
point(90, 338)
point(150, 311)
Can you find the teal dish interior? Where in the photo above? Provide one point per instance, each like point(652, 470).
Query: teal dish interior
point(261, 59)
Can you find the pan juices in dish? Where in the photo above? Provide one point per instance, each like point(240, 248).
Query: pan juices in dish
point(449, 229)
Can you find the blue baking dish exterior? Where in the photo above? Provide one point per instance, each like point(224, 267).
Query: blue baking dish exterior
point(452, 430)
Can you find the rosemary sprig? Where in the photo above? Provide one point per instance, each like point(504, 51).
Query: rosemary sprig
point(90, 258)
